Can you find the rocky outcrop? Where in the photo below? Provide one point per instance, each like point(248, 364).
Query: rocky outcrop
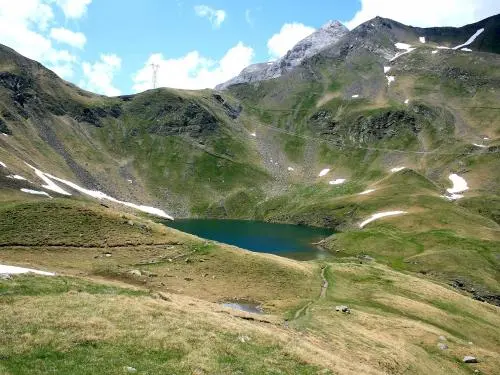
point(327, 35)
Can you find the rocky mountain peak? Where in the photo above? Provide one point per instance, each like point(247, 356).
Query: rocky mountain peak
point(332, 24)
point(330, 33)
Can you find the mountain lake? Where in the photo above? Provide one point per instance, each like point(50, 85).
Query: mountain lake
point(291, 241)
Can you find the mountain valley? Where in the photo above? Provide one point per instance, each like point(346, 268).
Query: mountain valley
point(387, 134)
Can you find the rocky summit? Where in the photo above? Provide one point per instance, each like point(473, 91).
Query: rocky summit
point(327, 35)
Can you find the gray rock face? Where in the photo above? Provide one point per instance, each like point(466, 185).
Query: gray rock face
point(327, 35)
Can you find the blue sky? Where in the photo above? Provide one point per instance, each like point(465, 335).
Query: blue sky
point(108, 46)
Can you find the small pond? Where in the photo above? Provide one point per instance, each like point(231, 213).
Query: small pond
point(291, 241)
point(244, 306)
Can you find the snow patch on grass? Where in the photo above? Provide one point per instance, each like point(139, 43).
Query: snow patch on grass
point(355, 96)
point(422, 39)
point(478, 145)
point(397, 169)
point(324, 172)
point(253, 134)
point(459, 184)
point(100, 195)
point(290, 169)
point(49, 184)
point(95, 194)
point(390, 79)
point(2, 165)
point(35, 192)
point(12, 270)
point(443, 47)
point(367, 192)
point(435, 51)
point(338, 181)
point(470, 40)
point(453, 197)
point(407, 101)
point(466, 49)
point(380, 215)
point(16, 177)
point(386, 69)
point(403, 46)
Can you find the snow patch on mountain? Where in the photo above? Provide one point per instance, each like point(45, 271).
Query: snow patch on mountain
point(100, 195)
point(338, 181)
point(402, 46)
point(380, 215)
point(422, 39)
point(13, 270)
point(470, 40)
point(324, 172)
point(390, 79)
point(397, 169)
point(2, 165)
point(16, 177)
point(367, 192)
point(459, 186)
point(35, 192)
point(49, 184)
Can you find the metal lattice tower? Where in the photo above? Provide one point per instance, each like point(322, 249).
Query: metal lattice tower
point(155, 74)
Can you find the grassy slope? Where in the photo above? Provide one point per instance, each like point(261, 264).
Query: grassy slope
point(97, 317)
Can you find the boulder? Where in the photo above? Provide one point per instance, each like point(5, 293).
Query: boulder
point(244, 338)
point(470, 359)
point(442, 346)
point(135, 273)
point(343, 309)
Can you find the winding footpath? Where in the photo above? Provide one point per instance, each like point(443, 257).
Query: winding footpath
point(324, 285)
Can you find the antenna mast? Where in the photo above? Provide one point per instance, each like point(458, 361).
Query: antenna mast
point(155, 74)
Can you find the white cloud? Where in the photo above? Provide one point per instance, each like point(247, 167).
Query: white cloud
point(193, 71)
point(74, 39)
point(289, 35)
point(426, 13)
point(73, 8)
point(215, 16)
point(99, 75)
point(21, 26)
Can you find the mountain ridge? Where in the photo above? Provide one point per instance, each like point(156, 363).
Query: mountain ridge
point(443, 36)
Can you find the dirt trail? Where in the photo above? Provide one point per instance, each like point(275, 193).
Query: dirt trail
point(324, 285)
